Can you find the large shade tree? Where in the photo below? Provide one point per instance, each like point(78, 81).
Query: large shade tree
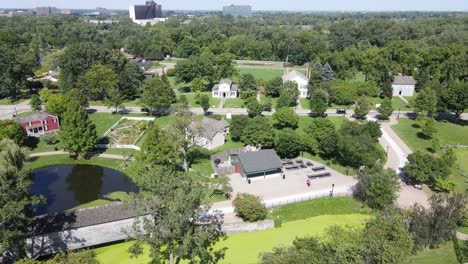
point(16, 202)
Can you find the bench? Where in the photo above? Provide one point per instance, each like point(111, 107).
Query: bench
point(292, 168)
point(288, 163)
point(319, 168)
point(310, 164)
point(303, 166)
point(320, 175)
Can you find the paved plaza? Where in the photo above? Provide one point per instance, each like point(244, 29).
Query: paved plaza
point(274, 186)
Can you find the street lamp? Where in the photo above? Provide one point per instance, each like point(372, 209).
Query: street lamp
point(387, 150)
point(331, 192)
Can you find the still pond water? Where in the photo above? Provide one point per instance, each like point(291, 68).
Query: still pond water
point(68, 186)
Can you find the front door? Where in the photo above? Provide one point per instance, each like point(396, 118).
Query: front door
point(399, 93)
point(224, 95)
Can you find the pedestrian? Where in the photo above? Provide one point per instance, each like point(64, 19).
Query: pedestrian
point(308, 182)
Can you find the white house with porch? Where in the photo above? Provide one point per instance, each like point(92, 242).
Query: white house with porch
point(300, 79)
point(225, 89)
point(403, 85)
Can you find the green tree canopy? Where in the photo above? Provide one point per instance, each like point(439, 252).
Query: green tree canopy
point(377, 187)
point(319, 101)
point(385, 109)
point(285, 118)
point(99, 80)
point(10, 129)
point(16, 202)
point(258, 132)
point(288, 143)
point(273, 86)
point(249, 207)
point(426, 101)
point(363, 106)
point(157, 94)
point(173, 231)
point(77, 133)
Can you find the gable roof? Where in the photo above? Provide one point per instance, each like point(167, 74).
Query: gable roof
point(225, 81)
point(259, 161)
point(404, 80)
point(33, 117)
point(292, 75)
point(212, 126)
point(233, 87)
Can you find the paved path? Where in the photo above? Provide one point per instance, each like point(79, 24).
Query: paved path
point(462, 236)
point(102, 155)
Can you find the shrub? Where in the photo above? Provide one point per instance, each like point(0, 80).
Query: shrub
point(249, 207)
point(50, 138)
point(170, 72)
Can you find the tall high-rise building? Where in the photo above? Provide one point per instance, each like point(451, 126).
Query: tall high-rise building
point(46, 10)
point(238, 10)
point(150, 12)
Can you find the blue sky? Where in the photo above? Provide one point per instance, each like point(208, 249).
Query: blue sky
point(302, 5)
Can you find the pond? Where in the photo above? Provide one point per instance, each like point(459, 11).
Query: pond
point(68, 186)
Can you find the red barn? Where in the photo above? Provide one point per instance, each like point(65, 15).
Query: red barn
point(38, 124)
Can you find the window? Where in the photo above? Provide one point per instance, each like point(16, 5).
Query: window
point(46, 128)
point(55, 120)
point(45, 122)
point(29, 123)
point(215, 94)
point(233, 93)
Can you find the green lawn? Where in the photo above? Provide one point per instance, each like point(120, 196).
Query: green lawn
point(316, 207)
point(399, 104)
point(304, 103)
point(444, 254)
point(448, 133)
point(359, 77)
point(108, 198)
point(463, 229)
point(268, 100)
point(246, 247)
point(234, 102)
point(40, 162)
point(191, 99)
point(262, 73)
point(103, 121)
point(6, 101)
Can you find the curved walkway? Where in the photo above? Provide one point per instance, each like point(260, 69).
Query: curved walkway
point(102, 155)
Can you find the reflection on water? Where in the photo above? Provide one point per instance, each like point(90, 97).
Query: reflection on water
point(68, 186)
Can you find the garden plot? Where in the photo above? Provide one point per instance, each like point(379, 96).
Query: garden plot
point(126, 132)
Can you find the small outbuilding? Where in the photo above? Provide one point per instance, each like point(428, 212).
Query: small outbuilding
point(403, 85)
point(213, 133)
point(258, 163)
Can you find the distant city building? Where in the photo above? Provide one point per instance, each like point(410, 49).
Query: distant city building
point(46, 10)
point(66, 11)
point(150, 12)
point(238, 10)
point(403, 85)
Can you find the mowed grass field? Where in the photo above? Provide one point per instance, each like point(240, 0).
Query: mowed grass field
point(444, 254)
point(246, 247)
point(448, 133)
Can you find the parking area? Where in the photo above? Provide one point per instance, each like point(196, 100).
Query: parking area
point(294, 182)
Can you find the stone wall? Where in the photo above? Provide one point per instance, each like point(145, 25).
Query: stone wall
point(243, 227)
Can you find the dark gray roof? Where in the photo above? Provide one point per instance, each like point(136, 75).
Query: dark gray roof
point(234, 87)
point(33, 117)
point(212, 126)
point(262, 160)
point(226, 81)
point(404, 80)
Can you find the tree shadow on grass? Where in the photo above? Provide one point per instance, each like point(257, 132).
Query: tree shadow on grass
point(415, 126)
point(421, 135)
